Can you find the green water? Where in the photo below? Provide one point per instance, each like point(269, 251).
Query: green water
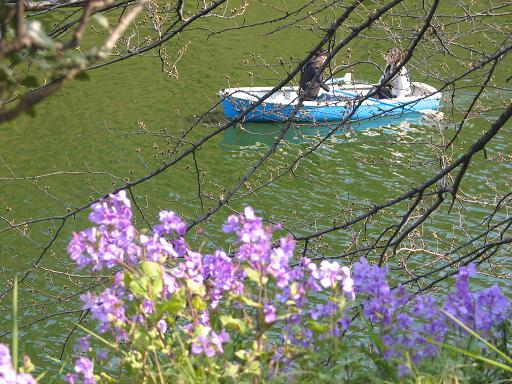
point(126, 121)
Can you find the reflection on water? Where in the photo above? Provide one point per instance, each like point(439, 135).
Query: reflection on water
point(250, 134)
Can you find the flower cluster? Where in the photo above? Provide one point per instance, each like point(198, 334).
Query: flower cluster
point(294, 286)
point(112, 241)
point(330, 273)
point(481, 310)
point(407, 324)
point(7, 373)
point(163, 282)
point(83, 372)
point(256, 247)
point(208, 341)
point(107, 307)
point(167, 298)
point(222, 276)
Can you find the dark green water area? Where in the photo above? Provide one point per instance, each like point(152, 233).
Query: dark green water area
point(129, 118)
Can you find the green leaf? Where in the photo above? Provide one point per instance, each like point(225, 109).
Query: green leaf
point(37, 34)
point(198, 303)
point(127, 278)
point(40, 377)
point(151, 269)
point(14, 351)
point(316, 327)
point(139, 287)
point(232, 370)
point(98, 337)
point(75, 58)
point(374, 337)
point(474, 334)
point(16, 58)
point(195, 287)
point(141, 339)
point(153, 272)
point(229, 348)
point(250, 302)
point(201, 330)
point(255, 276)
point(101, 20)
point(254, 368)
point(474, 355)
point(30, 81)
point(230, 322)
point(241, 354)
point(174, 305)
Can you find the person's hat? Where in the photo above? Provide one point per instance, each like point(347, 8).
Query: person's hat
point(321, 52)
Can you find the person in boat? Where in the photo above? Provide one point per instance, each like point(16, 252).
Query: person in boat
point(400, 84)
point(311, 78)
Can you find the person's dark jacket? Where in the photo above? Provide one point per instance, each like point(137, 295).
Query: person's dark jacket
point(311, 80)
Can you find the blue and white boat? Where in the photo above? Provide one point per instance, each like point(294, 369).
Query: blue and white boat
point(345, 100)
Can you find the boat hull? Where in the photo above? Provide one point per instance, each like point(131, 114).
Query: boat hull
point(349, 106)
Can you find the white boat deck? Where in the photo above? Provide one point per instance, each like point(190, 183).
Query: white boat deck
point(288, 95)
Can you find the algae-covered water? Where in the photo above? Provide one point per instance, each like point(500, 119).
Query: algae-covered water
point(127, 119)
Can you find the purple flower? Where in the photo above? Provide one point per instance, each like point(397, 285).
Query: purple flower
point(218, 339)
point(278, 353)
point(5, 355)
point(7, 373)
point(25, 378)
point(180, 246)
point(223, 276)
point(83, 343)
point(102, 355)
point(148, 307)
point(433, 321)
point(403, 370)
point(404, 321)
point(348, 287)
point(460, 302)
point(287, 244)
point(107, 308)
point(208, 341)
point(204, 318)
point(296, 333)
point(79, 245)
point(270, 313)
point(170, 285)
point(111, 242)
point(191, 268)
point(170, 222)
point(369, 279)
point(403, 330)
point(84, 367)
point(248, 227)
point(138, 318)
point(161, 325)
point(157, 248)
point(321, 311)
point(202, 345)
point(278, 266)
point(492, 308)
point(480, 311)
point(326, 274)
point(115, 211)
point(329, 275)
point(231, 225)
point(103, 247)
